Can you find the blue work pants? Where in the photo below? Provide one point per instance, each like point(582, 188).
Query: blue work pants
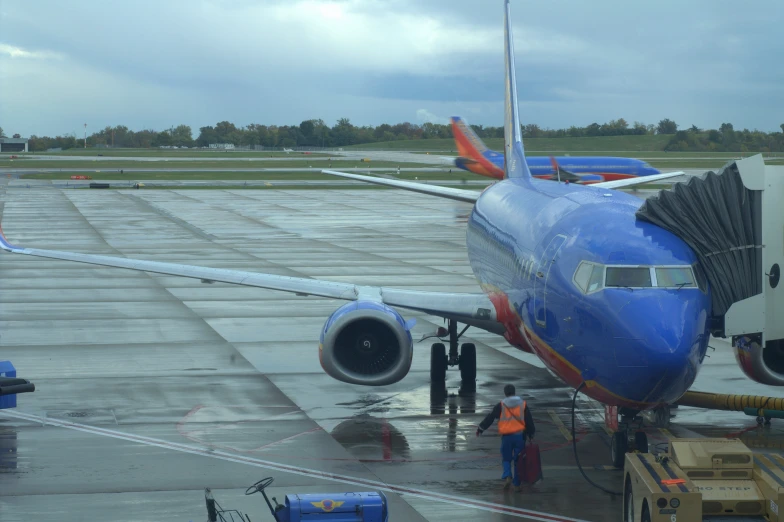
point(511, 447)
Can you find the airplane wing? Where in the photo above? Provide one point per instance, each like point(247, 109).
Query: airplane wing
point(468, 196)
point(474, 309)
point(621, 183)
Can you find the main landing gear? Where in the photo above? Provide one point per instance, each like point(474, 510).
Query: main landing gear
point(466, 360)
point(627, 434)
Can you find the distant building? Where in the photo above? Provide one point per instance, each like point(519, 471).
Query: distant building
point(13, 144)
point(221, 145)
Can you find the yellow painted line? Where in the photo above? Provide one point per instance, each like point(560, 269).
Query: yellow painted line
point(560, 425)
point(667, 433)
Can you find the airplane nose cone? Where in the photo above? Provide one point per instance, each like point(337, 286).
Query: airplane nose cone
point(659, 339)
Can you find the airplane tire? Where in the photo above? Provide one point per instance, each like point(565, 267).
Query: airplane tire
point(437, 362)
point(618, 448)
point(641, 442)
point(468, 362)
point(662, 417)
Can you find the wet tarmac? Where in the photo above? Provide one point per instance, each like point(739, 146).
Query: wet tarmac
point(151, 388)
point(328, 181)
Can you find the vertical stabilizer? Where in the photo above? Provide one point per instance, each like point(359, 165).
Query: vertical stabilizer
point(474, 156)
point(515, 165)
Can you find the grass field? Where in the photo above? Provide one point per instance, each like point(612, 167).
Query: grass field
point(205, 164)
point(171, 153)
point(652, 146)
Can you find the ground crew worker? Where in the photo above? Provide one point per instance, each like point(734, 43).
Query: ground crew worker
point(514, 423)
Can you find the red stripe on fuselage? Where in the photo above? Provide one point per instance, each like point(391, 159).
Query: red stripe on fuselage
point(511, 321)
point(520, 336)
point(612, 176)
point(608, 176)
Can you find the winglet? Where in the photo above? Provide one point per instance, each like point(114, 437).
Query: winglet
point(515, 165)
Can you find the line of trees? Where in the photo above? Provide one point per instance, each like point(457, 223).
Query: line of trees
point(726, 139)
point(316, 133)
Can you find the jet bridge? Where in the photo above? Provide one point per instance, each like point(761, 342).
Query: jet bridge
point(734, 221)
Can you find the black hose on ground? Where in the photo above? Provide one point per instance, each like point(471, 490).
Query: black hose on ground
point(574, 445)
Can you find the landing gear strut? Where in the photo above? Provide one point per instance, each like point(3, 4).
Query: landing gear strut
point(629, 437)
point(465, 360)
point(761, 419)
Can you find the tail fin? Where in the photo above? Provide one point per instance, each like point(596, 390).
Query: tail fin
point(468, 143)
point(515, 165)
point(474, 156)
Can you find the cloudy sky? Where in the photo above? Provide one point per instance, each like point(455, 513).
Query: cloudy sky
point(154, 64)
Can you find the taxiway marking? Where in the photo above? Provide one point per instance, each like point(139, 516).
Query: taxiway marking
point(560, 425)
point(334, 477)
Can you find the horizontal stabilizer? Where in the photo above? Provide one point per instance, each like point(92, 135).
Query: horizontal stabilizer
point(468, 196)
point(639, 180)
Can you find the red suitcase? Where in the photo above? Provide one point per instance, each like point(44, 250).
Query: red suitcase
point(529, 464)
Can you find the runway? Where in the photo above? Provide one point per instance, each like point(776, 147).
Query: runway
point(151, 388)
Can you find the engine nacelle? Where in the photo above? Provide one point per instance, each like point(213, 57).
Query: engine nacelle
point(764, 364)
point(365, 342)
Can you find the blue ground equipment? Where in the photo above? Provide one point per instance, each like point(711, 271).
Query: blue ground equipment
point(10, 385)
point(327, 507)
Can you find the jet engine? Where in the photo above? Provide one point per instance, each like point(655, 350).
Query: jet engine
point(365, 342)
point(762, 363)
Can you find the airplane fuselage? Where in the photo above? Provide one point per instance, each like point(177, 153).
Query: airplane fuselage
point(603, 168)
point(637, 345)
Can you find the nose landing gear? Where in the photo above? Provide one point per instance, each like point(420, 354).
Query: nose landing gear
point(627, 436)
point(465, 360)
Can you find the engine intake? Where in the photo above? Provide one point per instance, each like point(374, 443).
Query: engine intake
point(764, 364)
point(368, 343)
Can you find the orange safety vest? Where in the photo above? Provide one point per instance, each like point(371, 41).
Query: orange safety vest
point(511, 420)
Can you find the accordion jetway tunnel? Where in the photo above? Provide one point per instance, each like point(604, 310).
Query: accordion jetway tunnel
point(733, 221)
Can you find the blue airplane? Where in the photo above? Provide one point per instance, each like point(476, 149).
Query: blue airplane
point(613, 305)
point(475, 156)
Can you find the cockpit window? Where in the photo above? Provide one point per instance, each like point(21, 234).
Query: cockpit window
point(674, 277)
point(583, 275)
point(628, 276)
point(589, 277)
point(597, 279)
point(592, 277)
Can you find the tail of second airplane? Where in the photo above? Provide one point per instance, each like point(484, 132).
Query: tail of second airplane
point(474, 156)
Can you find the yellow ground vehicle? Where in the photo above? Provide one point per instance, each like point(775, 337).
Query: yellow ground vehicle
point(700, 480)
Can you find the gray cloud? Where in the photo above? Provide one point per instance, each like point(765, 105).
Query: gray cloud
point(156, 64)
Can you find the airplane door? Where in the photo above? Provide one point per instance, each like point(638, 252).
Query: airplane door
point(541, 276)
